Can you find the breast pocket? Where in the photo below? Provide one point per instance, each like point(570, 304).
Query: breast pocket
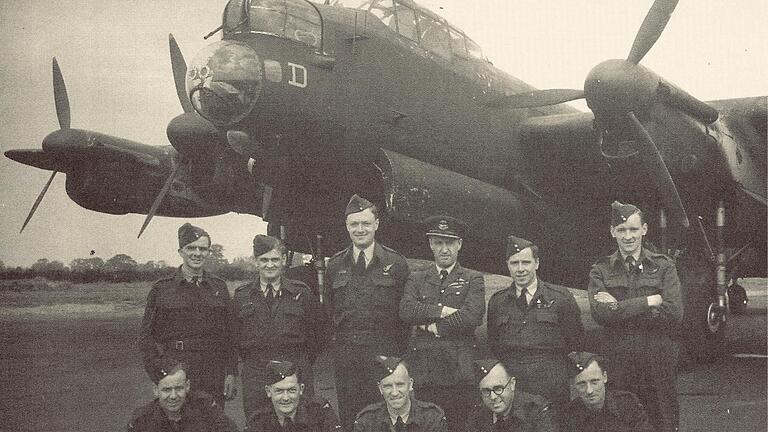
point(617, 286)
point(649, 284)
point(384, 292)
point(545, 317)
point(455, 294)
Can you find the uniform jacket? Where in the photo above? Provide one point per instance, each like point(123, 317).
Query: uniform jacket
point(529, 413)
point(447, 358)
point(295, 322)
point(199, 414)
point(365, 308)
point(424, 417)
point(199, 316)
point(551, 324)
point(313, 416)
point(622, 412)
point(658, 276)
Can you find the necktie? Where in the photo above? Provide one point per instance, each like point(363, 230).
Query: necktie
point(270, 295)
point(500, 423)
point(288, 425)
point(360, 263)
point(631, 265)
point(522, 301)
point(195, 281)
point(399, 425)
point(443, 275)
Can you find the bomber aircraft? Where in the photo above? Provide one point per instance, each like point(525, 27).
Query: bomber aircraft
point(301, 104)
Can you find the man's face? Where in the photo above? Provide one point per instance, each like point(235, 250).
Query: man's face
point(629, 235)
point(445, 249)
point(396, 388)
point(270, 265)
point(495, 399)
point(522, 267)
point(590, 386)
point(285, 395)
point(171, 391)
point(195, 253)
point(362, 227)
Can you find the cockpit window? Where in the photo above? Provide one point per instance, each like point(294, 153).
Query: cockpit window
point(458, 46)
point(474, 49)
point(292, 19)
point(406, 22)
point(434, 37)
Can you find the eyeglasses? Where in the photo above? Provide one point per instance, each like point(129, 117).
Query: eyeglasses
point(497, 390)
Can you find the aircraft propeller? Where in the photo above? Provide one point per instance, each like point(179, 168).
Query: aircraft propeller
point(179, 69)
point(620, 90)
point(61, 101)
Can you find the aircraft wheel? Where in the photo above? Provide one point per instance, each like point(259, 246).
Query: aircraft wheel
point(703, 330)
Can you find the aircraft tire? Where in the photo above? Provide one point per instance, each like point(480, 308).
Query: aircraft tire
point(699, 344)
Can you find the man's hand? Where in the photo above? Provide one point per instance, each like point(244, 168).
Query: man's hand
point(654, 300)
point(447, 310)
point(604, 297)
point(230, 390)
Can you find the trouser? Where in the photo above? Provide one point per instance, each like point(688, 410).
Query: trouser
point(356, 383)
point(542, 374)
point(646, 364)
point(456, 401)
point(255, 376)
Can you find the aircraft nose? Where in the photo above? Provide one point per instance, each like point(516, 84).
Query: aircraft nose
point(224, 81)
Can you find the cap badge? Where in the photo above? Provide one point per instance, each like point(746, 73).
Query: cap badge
point(442, 225)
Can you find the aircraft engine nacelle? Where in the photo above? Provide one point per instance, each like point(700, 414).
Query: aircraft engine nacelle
point(102, 187)
point(414, 190)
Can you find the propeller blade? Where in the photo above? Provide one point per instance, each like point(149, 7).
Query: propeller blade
point(179, 68)
point(159, 199)
point(38, 201)
point(60, 97)
point(651, 28)
point(670, 198)
point(537, 98)
point(266, 201)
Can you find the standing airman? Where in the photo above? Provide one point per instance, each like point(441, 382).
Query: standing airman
point(275, 318)
point(445, 303)
point(533, 325)
point(635, 295)
point(364, 285)
point(188, 317)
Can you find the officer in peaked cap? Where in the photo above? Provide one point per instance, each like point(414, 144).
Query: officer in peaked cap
point(399, 411)
point(275, 318)
point(364, 284)
point(176, 406)
point(188, 317)
point(634, 294)
point(444, 302)
point(291, 409)
point(504, 407)
point(598, 409)
point(533, 325)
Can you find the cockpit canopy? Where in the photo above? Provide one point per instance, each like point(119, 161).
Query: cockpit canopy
point(420, 25)
point(297, 20)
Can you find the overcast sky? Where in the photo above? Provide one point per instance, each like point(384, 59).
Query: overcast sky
point(114, 57)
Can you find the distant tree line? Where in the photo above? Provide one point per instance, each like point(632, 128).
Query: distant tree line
point(123, 268)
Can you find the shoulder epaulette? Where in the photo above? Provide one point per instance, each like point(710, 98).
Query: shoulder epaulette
point(339, 253)
point(245, 285)
point(503, 290)
point(603, 259)
point(370, 408)
point(430, 406)
point(559, 288)
point(389, 249)
point(165, 279)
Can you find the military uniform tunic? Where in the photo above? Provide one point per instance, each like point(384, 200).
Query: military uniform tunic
point(534, 343)
point(529, 413)
point(622, 412)
point(292, 330)
point(365, 323)
point(639, 339)
point(190, 323)
point(313, 416)
point(441, 365)
point(423, 417)
point(200, 413)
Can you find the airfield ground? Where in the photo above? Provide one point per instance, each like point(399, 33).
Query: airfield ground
point(70, 363)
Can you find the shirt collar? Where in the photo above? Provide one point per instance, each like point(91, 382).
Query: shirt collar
point(450, 269)
point(187, 275)
point(275, 286)
point(367, 251)
point(393, 418)
point(531, 288)
point(637, 254)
